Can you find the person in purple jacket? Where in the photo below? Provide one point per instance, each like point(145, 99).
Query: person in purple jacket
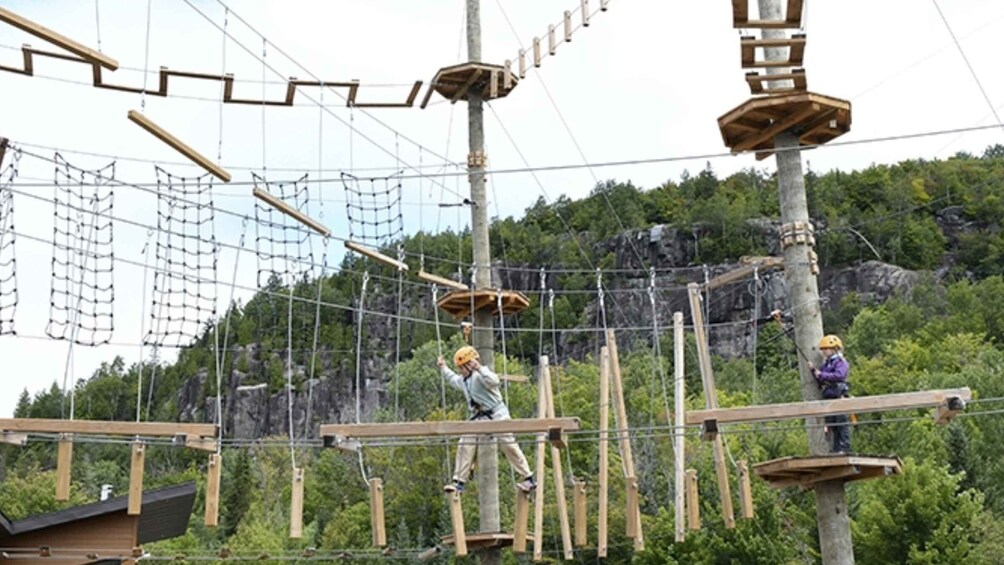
point(832, 379)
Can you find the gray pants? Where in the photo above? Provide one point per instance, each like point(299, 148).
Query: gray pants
point(840, 433)
point(468, 445)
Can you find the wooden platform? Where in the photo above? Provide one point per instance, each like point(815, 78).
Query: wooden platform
point(815, 118)
point(454, 82)
point(486, 540)
point(458, 303)
point(450, 428)
point(806, 472)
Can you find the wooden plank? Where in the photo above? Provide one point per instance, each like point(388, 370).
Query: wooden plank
point(568, 26)
point(428, 95)
point(38, 30)
point(376, 255)
point(812, 464)
point(604, 426)
point(178, 145)
point(138, 461)
point(516, 379)
point(507, 76)
point(624, 439)
point(296, 505)
point(631, 507)
point(209, 444)
point(579, 503)
point(3, 149)
point(378, 521)
point(522, 521)
point(213, 472)
point(105, 428)
point(442, 281)
point(457, 518)
point(778, 127)
point(814, 408)
point(559, 482)
point(693, 504)
point(539, 467)
point(522, 63)
point(679, 437)
point(449, 428)
point(794, 13)
point(64, 465)
point(493, 88)
point(745, 491)
point(287, 209)
point(768, 24)
point(744, 271)
point(711, 401)
point(13, 438)
point(740, 12)
point(796, 52)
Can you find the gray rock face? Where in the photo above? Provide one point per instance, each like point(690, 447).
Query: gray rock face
point(252, 410)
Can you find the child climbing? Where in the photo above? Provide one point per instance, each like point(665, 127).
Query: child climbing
point(832, 378)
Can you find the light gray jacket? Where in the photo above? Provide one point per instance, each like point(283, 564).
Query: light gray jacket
point(484, 401)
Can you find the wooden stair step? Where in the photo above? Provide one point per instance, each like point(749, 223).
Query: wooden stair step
point(795, 45)
point(756, 82)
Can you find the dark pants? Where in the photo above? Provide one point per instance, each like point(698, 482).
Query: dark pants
point(840, 433)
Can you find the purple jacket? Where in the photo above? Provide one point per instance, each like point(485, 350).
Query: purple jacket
point(832, 376)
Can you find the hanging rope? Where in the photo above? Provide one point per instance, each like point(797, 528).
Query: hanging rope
point(554, 356)
point(289, 372)
point(313, 347)
point(658, 357)
point(753, 325)
point(226, 339)
point(359, 351)
point(505, 356)
point(442, 381)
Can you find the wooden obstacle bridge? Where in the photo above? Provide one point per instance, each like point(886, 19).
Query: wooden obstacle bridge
point(781, 101)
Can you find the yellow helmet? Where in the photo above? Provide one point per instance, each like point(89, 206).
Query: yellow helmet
point(831, 342)
point(465, 355)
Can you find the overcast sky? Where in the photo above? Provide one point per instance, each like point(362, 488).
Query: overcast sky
point(647, 79)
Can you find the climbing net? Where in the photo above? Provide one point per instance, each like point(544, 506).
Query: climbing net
point(8, 261)
point(373, 208)
point(184, 294)
point(82, 290)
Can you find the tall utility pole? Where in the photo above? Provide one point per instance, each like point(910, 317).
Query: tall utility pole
point(831, 502)
point(483, 335)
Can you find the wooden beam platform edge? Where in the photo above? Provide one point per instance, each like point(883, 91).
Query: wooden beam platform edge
point(106, 427)
point(290, 211)
point(178, 145)
point(449, 428)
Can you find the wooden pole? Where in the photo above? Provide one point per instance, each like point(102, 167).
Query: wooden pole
point(212, 516)
point(559, 482)
point(376, 255)
point(624, 439)
point(579, 503)
point(296, 505)
point(539, 472)
point(679, 438)
point(64, 465)
point(604, 495)
point(745, 491)
point(522, 521)
point(711, 402)
point(136, 479)
point(376, 513)
point(631, 507)
point(693, 504)
point(457, 517)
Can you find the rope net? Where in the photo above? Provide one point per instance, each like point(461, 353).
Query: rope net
point(373, 209)
point(8, 260)
point(184, 296)
point(82, 290)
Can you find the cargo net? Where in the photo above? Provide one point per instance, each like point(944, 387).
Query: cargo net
point(82, 292)
point(184, 283)
point(285, 253)
point(373, 208)
point(8, 261)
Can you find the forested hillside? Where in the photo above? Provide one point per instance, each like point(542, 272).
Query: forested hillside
point(942, 218)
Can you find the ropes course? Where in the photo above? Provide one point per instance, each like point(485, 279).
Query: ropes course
point(295, 300)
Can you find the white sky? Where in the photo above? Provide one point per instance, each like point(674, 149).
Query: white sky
point(647, 79)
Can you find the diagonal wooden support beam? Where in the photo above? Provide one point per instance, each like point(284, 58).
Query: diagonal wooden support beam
point(38, 30)
point(814, 408)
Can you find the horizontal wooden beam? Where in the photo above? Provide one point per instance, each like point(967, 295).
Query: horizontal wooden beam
point(289, 210)
point(878, 403)
point(105, 427)
point(178, 145)
point(449, 428)
point(47, 34)
point(752, 264)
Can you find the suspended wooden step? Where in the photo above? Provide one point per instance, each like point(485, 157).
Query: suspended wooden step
point(795, 45)
point(796, 76)
point(792, 17)
point(807, 472)
point(815, 118)
point(453, 83)
point(484, 540)
point(459, 303)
